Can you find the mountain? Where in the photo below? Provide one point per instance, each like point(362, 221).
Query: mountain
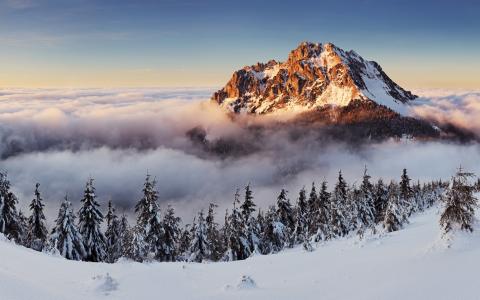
point(314, 75)
point(336, 93)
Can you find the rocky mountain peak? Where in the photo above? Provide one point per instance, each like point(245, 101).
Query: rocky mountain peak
point(314, 75)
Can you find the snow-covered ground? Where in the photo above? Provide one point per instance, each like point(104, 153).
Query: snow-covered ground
point(409, 264)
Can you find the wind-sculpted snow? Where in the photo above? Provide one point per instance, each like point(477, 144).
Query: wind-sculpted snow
point(61, 137)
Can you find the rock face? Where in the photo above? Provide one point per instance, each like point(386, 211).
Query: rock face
point(314, 75)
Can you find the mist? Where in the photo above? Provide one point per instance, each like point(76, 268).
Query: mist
point(60, 138)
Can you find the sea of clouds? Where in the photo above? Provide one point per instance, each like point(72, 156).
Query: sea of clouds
point(61, 137)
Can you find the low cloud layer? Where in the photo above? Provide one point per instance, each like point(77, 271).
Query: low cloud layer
point(61, 137)
point(459, 108)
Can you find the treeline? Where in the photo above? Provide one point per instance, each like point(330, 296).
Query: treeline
point(317, 215)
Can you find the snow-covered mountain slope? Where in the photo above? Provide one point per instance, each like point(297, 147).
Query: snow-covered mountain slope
point(412, 263)
point(314, 75)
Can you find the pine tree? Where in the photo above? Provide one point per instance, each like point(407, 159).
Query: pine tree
point(37, 231)
point(460, 203)
point(323, 215)
point(213, 235)
point(365, 207)
point(90, 219)
point(284, 215)
point(301, 219)
point(171, 233)
point(148, 218)
point(338, 219)
point(113, 235)
point(65, 236)
point(9, 219)
point(380, 201)
point(200, 246)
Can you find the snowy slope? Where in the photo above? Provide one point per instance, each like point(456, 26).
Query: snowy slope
point(408, 264)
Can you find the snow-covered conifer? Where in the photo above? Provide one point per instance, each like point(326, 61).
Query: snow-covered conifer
point(323, 215)
point(338, 214)
point(313, 210)
point(459, 204)
point(37, 233)
point(301, 218)
point(10, 224)
point(380, 201)
point(134, 246)
point(285, 217)
point(365, 206)
point(395, 213)
point(249, 226)
point(237, 244)
point(148, 218)
point(89, 221)
point(200, 246)
point(213, 235)
point(171, 234)
point(65, 236)
point(406, 193)
point(113, 235)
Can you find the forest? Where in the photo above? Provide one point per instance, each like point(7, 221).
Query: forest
point(316, 216)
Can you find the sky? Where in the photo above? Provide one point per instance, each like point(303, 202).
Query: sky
point(178, 43)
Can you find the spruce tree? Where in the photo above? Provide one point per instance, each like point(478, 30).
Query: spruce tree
point(301, 218)
point(185, 240)
point(249, 226)
point(37, 231)
point(395, 213)
point(248, 206)
point(65, 236)
point(149, 224)
point(459, 204)
point(237, 244)
point(113, 235)
point(380, 201)
point(90, 219)
point(134, 246)
point(274, 234)
point(313, 210)
point(366, 207)
point(213, 235)
point(323, 215)
point(124, 228)
point(406, 193)
point(10, 223)
point(339, 219)
point(284, 215)
point(171, 234)
point(200, 245)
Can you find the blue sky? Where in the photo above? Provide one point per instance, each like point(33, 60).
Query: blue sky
point(200, 43)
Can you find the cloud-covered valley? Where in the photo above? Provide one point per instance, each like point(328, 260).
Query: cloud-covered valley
point(61, 137)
